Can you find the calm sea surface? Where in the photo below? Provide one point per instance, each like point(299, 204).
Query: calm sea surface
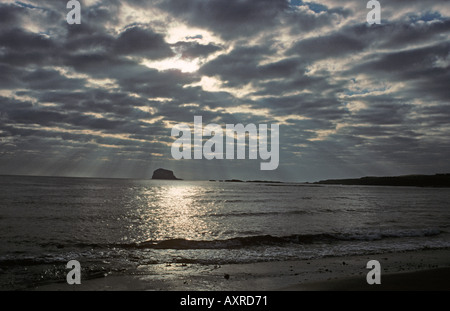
point(113, 225)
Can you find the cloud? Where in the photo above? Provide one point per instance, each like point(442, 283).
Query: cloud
point(229, 19)
point(143, 42)
point(192, 50)
point(332, 46)
point(90, 99)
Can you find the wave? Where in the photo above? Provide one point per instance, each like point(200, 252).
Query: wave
point(103, 254)
point(244, 200)
point(269, 240)
point(231, 243)
point(257, 213)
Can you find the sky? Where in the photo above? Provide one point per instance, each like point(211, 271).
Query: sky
point(99, 99)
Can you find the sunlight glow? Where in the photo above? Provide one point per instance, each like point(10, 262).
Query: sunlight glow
point(176, 206)
point(173, 63)
point(213, 84)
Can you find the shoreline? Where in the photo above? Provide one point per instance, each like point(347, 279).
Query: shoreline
point(410, 270)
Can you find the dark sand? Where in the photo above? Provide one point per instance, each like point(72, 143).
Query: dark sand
point(416, 270)
point(427, 280)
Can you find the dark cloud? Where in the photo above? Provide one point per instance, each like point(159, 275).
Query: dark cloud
point(9, 76)
point(9, 15)
point(229, 19)
point(406, 63)
point(401, 34)
point(305, 20)
point(143, 42)
point(88, 40)
point(194, 37)
point(192, 50)
point(17, 40)
point(157, 84)
point(334, 45)
point(41, 79)
point(426, 69)
point(238, 67)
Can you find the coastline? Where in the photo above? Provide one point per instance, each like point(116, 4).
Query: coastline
point(411, 270)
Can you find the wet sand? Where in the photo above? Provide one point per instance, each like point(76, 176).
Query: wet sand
point(427, 280)
point(415, 270)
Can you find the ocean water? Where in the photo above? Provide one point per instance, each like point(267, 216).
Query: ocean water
point(120, 226)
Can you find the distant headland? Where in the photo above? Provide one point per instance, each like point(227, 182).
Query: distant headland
point(438, 181)
point(164, 174)
point(249, 181)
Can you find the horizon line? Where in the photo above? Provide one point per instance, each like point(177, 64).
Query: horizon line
point(252, 180)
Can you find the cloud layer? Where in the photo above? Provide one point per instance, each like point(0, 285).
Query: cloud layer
point(100, 98)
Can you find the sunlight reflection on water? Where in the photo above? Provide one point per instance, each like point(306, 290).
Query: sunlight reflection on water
point(173, 211)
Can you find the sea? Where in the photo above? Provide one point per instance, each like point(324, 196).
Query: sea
point(122, 225)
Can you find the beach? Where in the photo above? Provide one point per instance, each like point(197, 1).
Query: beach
point(422, 270)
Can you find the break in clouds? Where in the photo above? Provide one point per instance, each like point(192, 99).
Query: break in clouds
point(101, 98)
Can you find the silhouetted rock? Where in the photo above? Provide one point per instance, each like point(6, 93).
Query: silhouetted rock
point(164, 174)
